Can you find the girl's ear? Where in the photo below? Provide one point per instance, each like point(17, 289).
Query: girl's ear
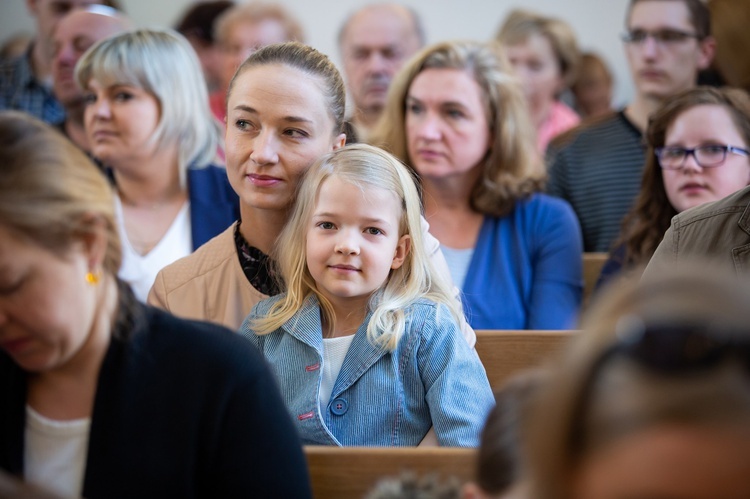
point(402, 250)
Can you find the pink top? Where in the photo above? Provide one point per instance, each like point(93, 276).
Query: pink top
point(560, 119)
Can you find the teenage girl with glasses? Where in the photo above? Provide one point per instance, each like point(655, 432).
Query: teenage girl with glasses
point(698, 146)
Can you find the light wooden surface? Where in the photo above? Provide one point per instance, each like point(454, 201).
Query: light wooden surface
point(504, 353)
point(351, 472)
point(592, 267)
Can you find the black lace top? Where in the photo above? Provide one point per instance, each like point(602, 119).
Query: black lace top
point(256, 265)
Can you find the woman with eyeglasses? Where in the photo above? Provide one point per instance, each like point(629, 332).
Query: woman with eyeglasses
point(653, 398)
point(698, 144)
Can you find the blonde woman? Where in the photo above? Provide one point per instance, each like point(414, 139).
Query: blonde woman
point(148, 121)
point(365, 342)
point(456, 115)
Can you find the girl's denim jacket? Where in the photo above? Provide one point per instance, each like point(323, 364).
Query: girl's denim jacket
point(380, 398)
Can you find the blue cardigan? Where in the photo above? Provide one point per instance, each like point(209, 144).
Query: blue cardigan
point(526, 271)
point(214, 205)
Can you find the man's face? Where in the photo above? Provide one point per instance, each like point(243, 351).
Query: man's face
point(48, 12)
point(665, 55)
point(75, 33)
point(375, 45)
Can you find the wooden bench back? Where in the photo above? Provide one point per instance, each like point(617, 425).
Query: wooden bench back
point(504, 353)
point(592, 267)
point(351, 472)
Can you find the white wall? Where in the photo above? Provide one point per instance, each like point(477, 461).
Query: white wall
point(597, 22)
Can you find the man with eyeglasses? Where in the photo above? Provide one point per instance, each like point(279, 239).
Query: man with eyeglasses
point(597, 167)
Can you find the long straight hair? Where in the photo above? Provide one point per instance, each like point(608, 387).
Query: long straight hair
point(365, 167)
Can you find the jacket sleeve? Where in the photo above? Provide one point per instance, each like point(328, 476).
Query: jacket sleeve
point(456, 386)
point(258, 452)
point(557, 274)
point(157, 296)
point(432, 245)
point(665, 253)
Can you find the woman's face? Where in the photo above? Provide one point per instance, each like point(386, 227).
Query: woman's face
point(46, 307)
point(447, 130)
point(669, 462)
point(278, 124)
point(537, 67)
point(120, 121)
point(692, 185)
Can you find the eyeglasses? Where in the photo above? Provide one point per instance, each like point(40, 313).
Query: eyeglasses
point(662, 37)
point(668, 350)
point(708, 156)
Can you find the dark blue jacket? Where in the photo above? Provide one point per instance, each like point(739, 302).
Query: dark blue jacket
point(214, 205)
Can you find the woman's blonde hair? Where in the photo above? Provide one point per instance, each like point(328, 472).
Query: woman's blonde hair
point(521, 24)
point(512, 168)
point(50, 191)
point(363, 167)
point(598, 396)
point(161, 62)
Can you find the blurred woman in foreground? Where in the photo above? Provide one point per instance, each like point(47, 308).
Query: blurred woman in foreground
point(101, 396)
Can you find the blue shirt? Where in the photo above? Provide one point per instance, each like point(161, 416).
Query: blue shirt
point(20, 91)
point(380, 398)
point(527, 268)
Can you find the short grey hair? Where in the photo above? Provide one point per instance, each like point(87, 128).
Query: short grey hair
point(415, 20)
point(161, 62)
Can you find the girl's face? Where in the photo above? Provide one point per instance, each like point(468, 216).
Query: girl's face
point(447, 129)
point(120, 120)
point(693, 185)
point(669, 462)
point(47, 309)
point(353, 242)
point(537, 67)
point(278, 124)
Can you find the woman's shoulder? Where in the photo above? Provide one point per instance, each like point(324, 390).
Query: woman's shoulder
point(183, 344)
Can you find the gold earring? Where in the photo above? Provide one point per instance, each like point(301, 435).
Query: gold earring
point(92, 278)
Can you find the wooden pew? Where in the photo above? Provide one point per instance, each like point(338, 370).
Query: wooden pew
point(592, 267)
point(504, 353)
point(351, 472)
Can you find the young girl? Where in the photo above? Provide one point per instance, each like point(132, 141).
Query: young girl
point(364, 342)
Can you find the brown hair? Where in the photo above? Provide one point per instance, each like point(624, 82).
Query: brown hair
point(512, 168)
point(594, 400)
point(521, 24)
point(50, 190)
point(700, 16)
point(644, 226)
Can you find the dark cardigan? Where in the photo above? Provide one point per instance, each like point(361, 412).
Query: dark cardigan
point(182, 409)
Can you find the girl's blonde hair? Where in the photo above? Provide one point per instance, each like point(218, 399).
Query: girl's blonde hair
point(161, 62)
point(364, 167)
point(512, 168)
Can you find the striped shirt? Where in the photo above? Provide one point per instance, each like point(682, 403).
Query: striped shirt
point(597, 168)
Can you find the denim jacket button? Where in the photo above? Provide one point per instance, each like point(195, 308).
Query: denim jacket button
point(339, 407)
